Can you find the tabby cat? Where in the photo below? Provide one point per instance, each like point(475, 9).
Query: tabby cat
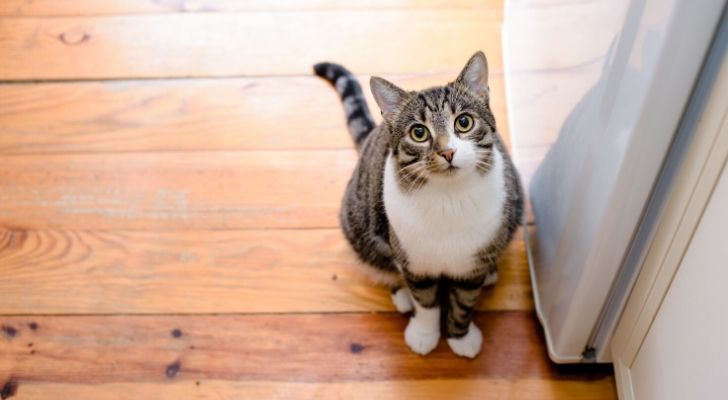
point(433, 201)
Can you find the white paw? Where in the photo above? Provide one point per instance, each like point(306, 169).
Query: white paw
point(468, 345)
point(491, 279)
point(419, 340)
point(402, 300)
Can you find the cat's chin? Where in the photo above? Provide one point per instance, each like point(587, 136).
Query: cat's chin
point(453, 172)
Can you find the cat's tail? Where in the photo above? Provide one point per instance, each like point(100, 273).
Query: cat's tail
point(358, 117)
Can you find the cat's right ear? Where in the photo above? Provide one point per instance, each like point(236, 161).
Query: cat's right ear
point(475, 75)
point(388, 96)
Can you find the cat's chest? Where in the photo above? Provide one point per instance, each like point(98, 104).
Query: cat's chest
point(442, 226)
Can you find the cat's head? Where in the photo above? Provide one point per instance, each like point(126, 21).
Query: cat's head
point(440, 133)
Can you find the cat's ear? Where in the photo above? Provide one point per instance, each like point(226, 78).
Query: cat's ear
point(388, 96)
point(475, 75)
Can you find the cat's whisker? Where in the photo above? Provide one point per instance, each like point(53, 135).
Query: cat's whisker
point(410, 180)
point(414, 177)
point(417, 167)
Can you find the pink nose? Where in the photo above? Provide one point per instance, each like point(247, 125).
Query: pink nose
point(447, 154)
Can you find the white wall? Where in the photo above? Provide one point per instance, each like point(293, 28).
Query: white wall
point(685, 353)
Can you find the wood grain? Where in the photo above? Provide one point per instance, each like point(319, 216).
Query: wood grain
point(175, 191)
point(306, 348)
point(426, 389)
point(191, 115)
point(199, 45)
point(115, 7)
point(183, 272)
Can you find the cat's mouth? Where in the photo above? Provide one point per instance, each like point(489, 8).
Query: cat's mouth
point(450, 170)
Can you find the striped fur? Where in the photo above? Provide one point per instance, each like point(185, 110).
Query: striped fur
point(358, 118)
point(417, 165)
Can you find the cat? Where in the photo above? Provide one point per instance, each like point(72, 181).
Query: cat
point(433, 201)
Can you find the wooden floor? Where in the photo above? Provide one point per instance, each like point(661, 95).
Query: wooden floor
point(170, 180)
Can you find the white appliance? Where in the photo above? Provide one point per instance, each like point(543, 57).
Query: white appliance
point(602, 97)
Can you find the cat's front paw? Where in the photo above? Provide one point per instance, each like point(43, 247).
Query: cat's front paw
point(468, 345)
point(402, 300)
point(420, 340)
point(491, 279)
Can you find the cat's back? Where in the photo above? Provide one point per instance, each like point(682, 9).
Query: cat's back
point(362, 216)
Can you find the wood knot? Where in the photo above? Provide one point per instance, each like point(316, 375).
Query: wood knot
point(173, 369)
point(9, 389)
point(356, 348)
point(73, 38)
point(9, 331)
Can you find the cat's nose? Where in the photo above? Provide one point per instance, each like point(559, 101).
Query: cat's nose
point(447, 154)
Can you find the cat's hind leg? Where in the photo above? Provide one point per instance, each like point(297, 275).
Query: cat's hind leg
point(402, 299)
point(491, 278)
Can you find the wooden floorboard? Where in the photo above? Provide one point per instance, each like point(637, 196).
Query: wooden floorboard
point(281, 43)
point(343, 347)
point(172, 174)
point(185, 272)
point(116, 7)
point(171, 191)
point(188, 115)
point(425, 389)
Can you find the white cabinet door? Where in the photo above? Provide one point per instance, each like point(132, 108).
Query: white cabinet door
point(611, 79)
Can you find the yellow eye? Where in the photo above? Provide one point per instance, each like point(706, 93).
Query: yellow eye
point(419, 133)
point(464, 123)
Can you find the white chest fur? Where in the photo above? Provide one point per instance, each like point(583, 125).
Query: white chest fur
point(443, 225)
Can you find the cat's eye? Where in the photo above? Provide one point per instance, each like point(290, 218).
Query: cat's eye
point(419, 133)
point(464, 123)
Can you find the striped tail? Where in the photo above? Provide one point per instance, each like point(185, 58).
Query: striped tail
point(358, 118)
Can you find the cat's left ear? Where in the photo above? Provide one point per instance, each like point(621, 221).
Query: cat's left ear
point(475, 75)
